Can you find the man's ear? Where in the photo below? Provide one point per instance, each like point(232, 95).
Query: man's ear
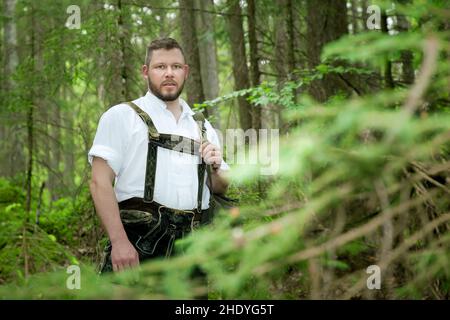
point(186, 69)
point(145, 71)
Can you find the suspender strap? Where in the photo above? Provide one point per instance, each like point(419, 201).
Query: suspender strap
point(152, 152)
point(152, 132)
point(200, 119)
point(177, 143)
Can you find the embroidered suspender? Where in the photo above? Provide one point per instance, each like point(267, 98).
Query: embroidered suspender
point(200, 119)
point(171, 142)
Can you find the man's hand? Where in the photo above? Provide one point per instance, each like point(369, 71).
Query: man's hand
point(211, 154)
point(123, 255)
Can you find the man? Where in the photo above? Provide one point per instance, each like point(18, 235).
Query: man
point(121, 152)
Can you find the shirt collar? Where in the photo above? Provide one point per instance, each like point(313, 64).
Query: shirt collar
point(186, 110)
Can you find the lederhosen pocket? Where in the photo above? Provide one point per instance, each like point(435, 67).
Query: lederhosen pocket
point(145, 230)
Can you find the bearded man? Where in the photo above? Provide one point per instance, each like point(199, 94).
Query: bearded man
point(148, 163)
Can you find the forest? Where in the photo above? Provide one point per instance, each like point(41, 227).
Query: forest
point(342, 182)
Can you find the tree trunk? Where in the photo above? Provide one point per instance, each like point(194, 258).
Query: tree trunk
point(101, 61)
point(254, 59)
point(354, 8)
point(194, 86)
point(285, 39)
point(124, 38)
point(10, 38)
point(407, 56)
point(240, 69)
point(282, 63)
point(208, 55)
point(388, 79)
point(12, 155)
point(407, 67)
point(326, 22)
point(69, 138)
point(291, 42)
point(365, 15)
point(30, 122)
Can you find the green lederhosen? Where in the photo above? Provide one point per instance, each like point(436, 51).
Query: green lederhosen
point(151, 227)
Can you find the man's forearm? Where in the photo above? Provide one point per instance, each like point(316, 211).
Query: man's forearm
point(108, 210)
point(219, 182)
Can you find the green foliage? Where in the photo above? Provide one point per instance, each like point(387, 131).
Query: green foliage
point(23, 244)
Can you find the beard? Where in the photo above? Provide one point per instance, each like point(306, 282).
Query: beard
point(164, 97)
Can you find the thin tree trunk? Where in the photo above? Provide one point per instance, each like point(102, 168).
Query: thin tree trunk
point(30, 145)
point(194, 85)
point(101, 61)
point(208, 55)
point(365, 15)
point(354, 8)
point(30, 118)
point(388, 79)
point(124, 55)
point(254, 59)
point(299, 32)
point(68, 155)
point(407, 56)
point(240, 69)
point(281, 42)
point(291, 42)
point(282, 63)
point(10, 38)
point(12, 155)
point(56, 152)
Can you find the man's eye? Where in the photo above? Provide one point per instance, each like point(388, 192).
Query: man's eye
point(160, 67)
point(177, 66)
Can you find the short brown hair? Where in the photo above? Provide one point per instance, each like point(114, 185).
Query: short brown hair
point(162, 43)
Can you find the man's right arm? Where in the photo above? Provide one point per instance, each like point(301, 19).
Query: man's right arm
point(123, 254)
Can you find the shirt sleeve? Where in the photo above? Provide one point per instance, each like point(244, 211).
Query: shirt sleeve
point(110, 140)
point(212, 136)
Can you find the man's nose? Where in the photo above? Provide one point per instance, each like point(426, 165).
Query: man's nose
point(169, 72)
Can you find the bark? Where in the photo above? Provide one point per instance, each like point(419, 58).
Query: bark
point(388, 79)
point(290, 31)
point(407, 56)
point(281, 42)
point(299, 32)
point(10, 38)
point(101, 60)
point(282, 63)
point(240, 68)
point(354, 9)
point(365, 15)
point(208, 55)
point(30, 126)
point(125, 56)
point(12, 157)
point(194, 85)
point(69, 138)
point(326, 22)
point(254, 59)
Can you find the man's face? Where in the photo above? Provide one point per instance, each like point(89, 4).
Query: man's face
point(166, 73)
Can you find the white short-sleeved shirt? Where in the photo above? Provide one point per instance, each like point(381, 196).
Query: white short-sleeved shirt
point(122, 140)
